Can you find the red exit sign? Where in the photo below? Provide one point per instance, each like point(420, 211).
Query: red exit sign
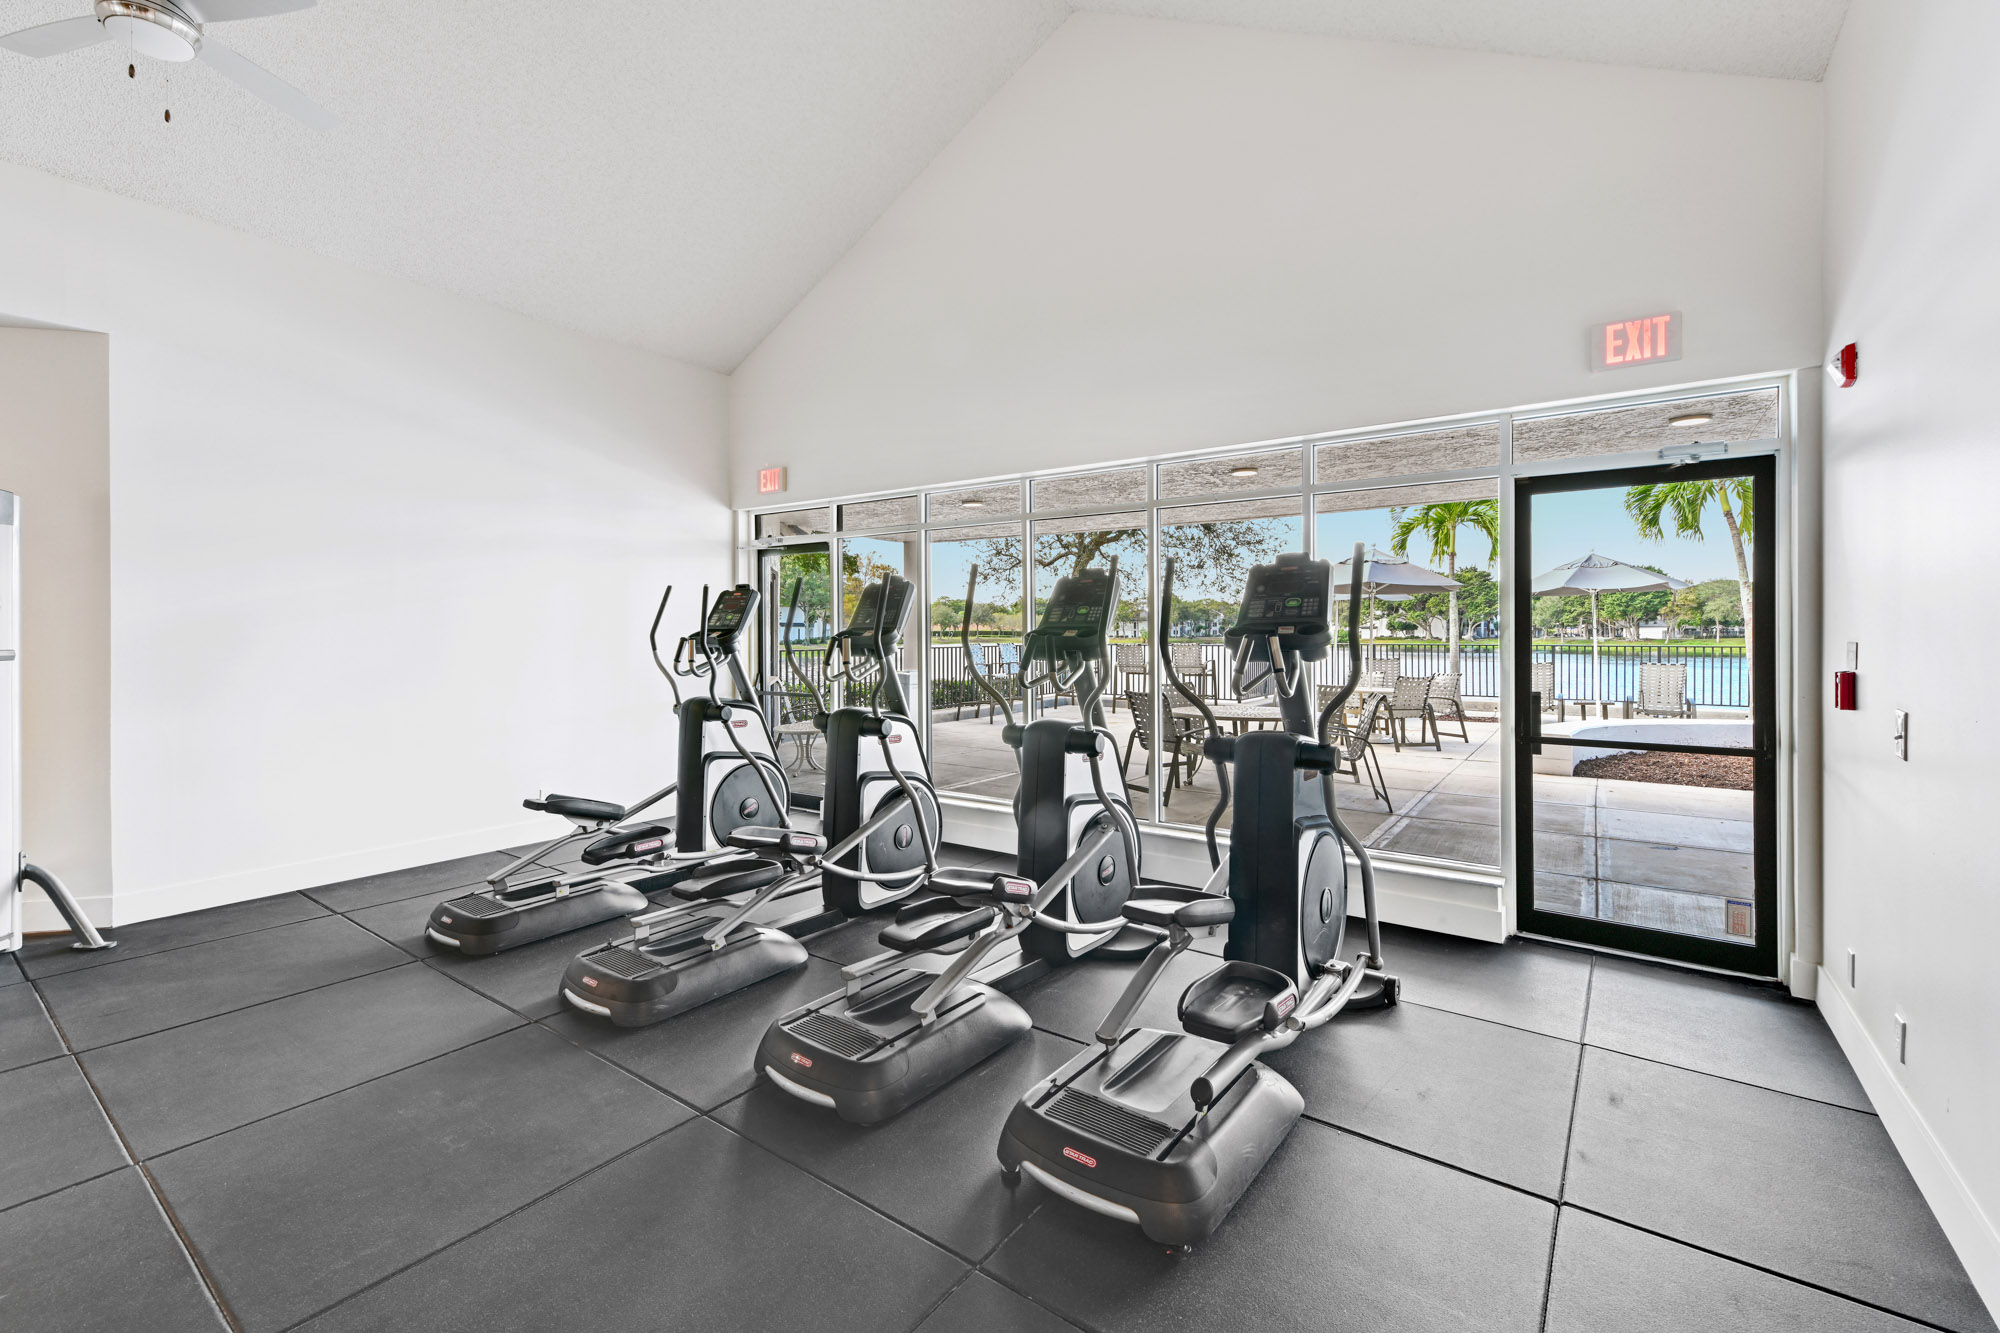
point(1636, 342)
point(770, 480)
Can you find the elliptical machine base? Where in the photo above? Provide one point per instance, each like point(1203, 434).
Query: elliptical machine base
point(859, 1053)
point(637, 984)
point(481, 924)
point(1175, 1174)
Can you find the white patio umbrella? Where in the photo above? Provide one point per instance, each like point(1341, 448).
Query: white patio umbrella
point(1594, 574)
point(1383, 575)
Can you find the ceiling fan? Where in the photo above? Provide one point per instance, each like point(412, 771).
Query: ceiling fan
point(173, 30)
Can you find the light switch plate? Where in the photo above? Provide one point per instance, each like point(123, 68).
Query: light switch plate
point(1853, 656)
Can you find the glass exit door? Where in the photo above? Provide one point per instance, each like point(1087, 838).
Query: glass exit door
point(1645, 705)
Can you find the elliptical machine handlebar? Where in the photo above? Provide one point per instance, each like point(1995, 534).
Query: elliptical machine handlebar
point(1346, 835)
point(972, 666)
point(653, 641)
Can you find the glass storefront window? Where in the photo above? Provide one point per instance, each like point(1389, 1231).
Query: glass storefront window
point(1213, 548)
point(1428, 780)
point(968, 755)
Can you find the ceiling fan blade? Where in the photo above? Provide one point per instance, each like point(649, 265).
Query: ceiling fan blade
point(228, 11)
point(53, 39)
point(264, 84)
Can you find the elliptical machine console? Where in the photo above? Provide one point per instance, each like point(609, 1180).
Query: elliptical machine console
point(1167, 1129)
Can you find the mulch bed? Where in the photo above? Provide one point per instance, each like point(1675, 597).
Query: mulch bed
point(1679, 770)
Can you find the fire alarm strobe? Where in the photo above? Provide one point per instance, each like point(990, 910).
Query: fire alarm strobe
point(1845, 366)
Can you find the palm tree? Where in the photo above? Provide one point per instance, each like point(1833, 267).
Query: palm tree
point(1686, 502)
point(1439, 524)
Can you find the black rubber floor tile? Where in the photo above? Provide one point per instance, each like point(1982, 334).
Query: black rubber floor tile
point(934, 1166)
point(402, 923)
point(105, 1004)
point(1609, 1277)
point(95, 1258)
point(981, 1305)
point(1494, 1100)
point(1812, 1191)
point(707, 1055)
point(701, 1229)
point(1520, 983)
point(47, 958)
point(1754, 1034)
point(440, 877)
point(298, 1211)
point(174, 1087)
point(1336, 1233)
point(26, 1035)
point(1073, 999)
point(55, 1134)
point(526, 979)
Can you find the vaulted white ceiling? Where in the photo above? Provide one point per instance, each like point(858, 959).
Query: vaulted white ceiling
point(674, 174)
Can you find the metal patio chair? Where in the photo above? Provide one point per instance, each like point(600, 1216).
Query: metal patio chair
point(1410, 698)
point(1184, 753)
point(1356, 747)
point(1445, 702)
point(1663, 690)
point(1542, 680)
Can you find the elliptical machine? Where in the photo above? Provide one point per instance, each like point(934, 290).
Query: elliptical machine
point(1167, 1129)
point(684, 955)
point(721, 775)
point(892, 862)
point(934, 1004)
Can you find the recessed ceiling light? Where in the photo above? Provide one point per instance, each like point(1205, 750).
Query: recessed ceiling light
point(972, 504)
point(1691, 419)
point(1244, 471)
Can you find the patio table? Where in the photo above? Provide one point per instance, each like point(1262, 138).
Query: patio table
point(1237, 714)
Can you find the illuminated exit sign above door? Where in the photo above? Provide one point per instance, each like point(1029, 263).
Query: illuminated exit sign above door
point(770, 480)
point(1636, 342)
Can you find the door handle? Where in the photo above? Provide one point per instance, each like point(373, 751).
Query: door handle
point(1531, 726)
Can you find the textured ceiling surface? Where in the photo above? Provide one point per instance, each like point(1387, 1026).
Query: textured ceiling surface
point(674, 174)
point(1780, 39)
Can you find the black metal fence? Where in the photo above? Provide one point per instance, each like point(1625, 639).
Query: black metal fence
point(1717, 676)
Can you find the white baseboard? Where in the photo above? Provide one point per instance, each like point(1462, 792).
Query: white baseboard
point(1428, 898)
point(124, 908)
point(1966, 1225)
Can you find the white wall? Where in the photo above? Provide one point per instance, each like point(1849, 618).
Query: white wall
point(55, 431)
point(1162, 236)
point(381, 559)
point(1911, 469)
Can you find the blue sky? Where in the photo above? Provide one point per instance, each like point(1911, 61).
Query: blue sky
point(1568, 524)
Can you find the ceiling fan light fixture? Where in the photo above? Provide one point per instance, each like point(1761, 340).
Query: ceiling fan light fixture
point(974, 503)
point(1246, 470)
point(151, 29)
point(1691, 419)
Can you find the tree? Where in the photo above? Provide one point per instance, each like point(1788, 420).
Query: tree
point(1214, 555)
point(1438, 525)
point(1686, 504)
